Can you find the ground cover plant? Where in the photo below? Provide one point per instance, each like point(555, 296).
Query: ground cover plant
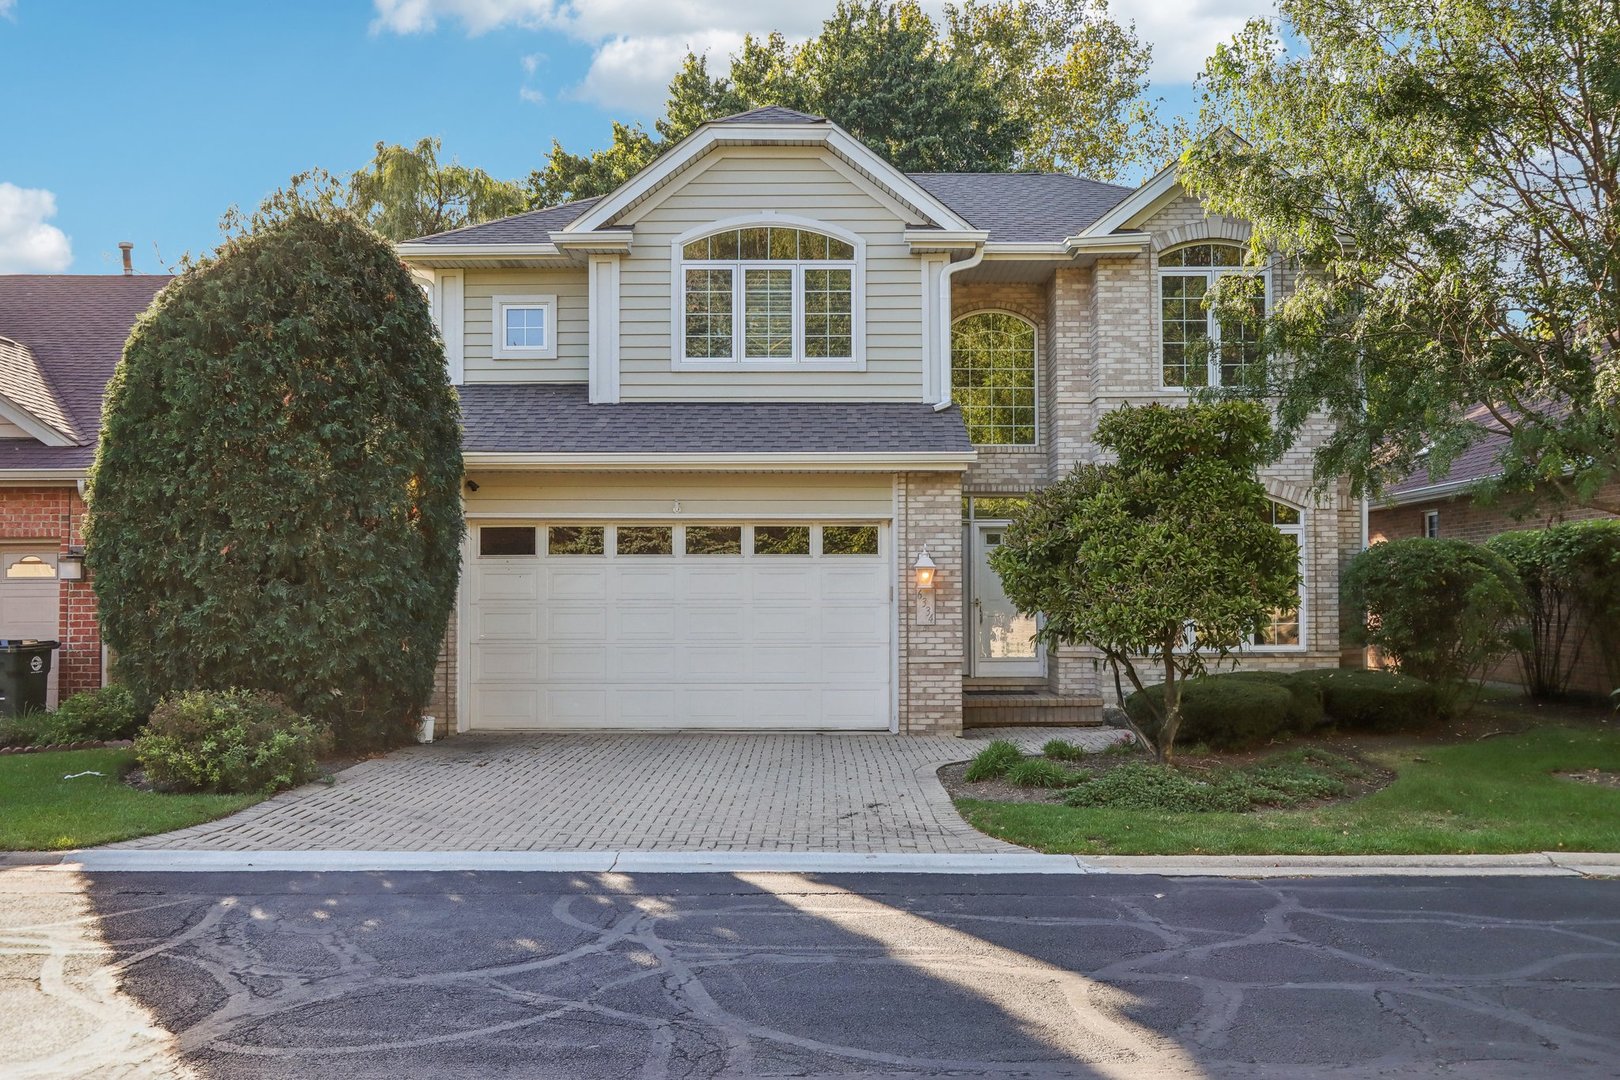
point(229, 742)
point(1491, 789)
point(52, 804)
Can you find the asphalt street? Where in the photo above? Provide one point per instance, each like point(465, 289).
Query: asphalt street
point(581, 976)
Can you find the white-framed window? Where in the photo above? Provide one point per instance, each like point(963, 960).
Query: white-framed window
point(993, 365)
point(1286, 629)
point(769, 295)
point(1431, 524)
point(1197, 348)
point(525, 327)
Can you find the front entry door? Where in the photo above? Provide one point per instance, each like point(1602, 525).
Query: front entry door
point(1003, 640)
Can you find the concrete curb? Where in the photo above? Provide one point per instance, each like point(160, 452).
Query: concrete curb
point(132, 860)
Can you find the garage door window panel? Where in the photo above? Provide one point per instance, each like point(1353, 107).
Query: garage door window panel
point(645, 540)
point(781, 539)
point(28, 567)
point(575, 540)
point(505, 541)
point(849, 540)
point(714, 540)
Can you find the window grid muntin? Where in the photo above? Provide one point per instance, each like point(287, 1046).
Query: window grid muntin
point(530, 330)
point(824, 336)
point(993, 375)
point(1287, 623)
point(710, 303)
point(1184, 324)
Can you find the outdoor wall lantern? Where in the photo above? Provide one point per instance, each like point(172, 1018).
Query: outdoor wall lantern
point(70, 567)
point(925, 568)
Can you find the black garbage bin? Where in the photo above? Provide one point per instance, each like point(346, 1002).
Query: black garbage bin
point(25, 671)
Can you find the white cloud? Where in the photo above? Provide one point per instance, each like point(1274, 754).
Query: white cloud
point(8, 9)
point(27, 244)
point(638, 44)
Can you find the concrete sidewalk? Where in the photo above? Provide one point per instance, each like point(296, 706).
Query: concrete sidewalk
point(1011, 861)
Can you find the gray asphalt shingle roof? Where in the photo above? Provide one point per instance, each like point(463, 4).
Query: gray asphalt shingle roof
point(538, 418)
point(1021, 208)
point(24, 382)
point(533, 227)
point(74, 326)
point(771, 114)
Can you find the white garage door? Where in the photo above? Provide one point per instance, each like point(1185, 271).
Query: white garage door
point(29, 602)
point(650, 625)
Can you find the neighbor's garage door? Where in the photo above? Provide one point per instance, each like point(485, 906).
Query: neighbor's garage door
point(653, 625)
point(30, 601)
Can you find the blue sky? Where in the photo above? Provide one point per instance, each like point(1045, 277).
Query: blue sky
point(144, 121)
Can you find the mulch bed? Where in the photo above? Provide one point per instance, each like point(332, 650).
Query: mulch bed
point(1592, 776)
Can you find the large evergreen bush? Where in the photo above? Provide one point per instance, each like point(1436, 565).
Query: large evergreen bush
point(274, 504)
point(1571, 576)
point(1441, 610)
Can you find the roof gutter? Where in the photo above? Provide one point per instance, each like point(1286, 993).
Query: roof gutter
point(1446, 490)
point(945, 461)
point(34, 476)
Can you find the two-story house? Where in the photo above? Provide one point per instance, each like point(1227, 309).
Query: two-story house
point(741, 434)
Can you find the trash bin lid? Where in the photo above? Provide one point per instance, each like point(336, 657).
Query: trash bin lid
point(12, 645)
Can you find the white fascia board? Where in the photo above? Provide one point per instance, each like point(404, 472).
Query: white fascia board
point(1143, 199)
point(1445, 490)
point(857, 153)
point(477, 251)
point(46, 433)
point(1088, 245)
point(1049, 250)
point(34, 476)
point(605, 242)
point(922, 240)
point(940, 462)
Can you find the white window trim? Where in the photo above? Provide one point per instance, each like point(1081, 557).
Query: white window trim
point(950, 349)
point(498, 308)
point(1302, 532)
point(737, 362)
point(1212, 324)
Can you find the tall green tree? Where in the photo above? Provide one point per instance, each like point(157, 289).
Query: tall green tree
point(406, 192)
point(1447, 176)
point(275, 502)
point(1165, 560)
point(1035, 84)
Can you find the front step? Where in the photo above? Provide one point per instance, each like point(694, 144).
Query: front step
point(981, 710)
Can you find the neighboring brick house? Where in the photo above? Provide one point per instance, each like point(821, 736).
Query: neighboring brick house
point(722, 422)
point(60, 338)
point(1442, 507)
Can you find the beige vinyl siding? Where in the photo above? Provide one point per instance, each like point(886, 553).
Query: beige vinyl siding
point(568, 286)
point(702, 497)
point(794, 181)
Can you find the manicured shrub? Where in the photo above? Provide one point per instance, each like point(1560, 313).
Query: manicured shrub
point(1571, 577)
point(993, 761)
point(1374, 700)
point(229, 741)
point(1062, 750)
point(1038, 772)
point(275, 501)
point(1220, 711)
point(111, 712)
point(1442, 610)
point(1305, 710)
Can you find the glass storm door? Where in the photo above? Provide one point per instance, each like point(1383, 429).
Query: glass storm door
point(1003, 641)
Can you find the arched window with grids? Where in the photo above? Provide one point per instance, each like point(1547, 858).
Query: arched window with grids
point(993, 377)
point(1198, 347)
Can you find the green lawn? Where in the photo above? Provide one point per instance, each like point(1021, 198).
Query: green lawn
point(40, 811)
point(1495, 796)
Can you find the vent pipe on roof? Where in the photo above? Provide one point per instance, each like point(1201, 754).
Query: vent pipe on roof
point(128, 249)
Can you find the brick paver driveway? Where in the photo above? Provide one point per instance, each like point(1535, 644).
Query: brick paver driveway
point(679, 792)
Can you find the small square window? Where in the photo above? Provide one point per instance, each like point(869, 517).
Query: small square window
point(781, 539)
point(849, 540)
point(574, 540)
point(714, 539)
point(506, 540)
point(30, 566)
point(646, 540)
point(525, 327)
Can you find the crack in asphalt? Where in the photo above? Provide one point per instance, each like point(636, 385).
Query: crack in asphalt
point(600, 976)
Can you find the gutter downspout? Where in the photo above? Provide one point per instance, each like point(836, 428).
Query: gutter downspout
point(943, 340)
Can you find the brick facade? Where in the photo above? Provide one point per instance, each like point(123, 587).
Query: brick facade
point(1463, 518)
point(53, 517)
point(928, 513)
point(1098, 348)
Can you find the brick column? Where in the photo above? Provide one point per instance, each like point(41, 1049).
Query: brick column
point(928, 512)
